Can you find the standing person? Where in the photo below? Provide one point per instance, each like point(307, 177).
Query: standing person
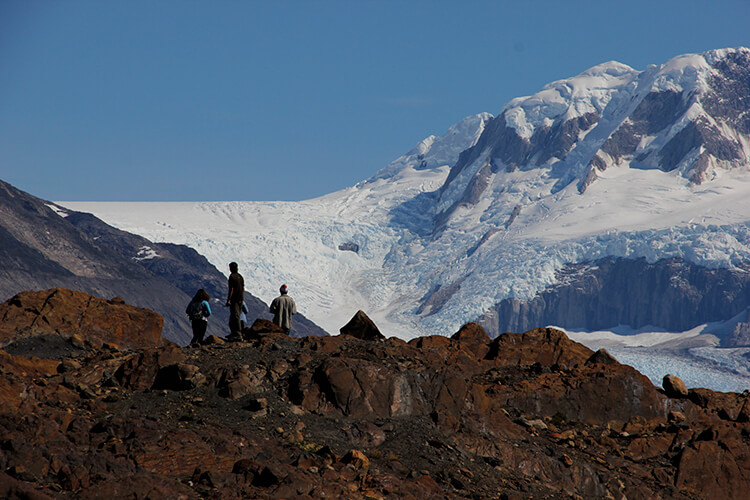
point(235, 299)
point(282, 308)
point(198, 311)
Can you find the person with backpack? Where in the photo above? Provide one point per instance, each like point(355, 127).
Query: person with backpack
point(198, 311)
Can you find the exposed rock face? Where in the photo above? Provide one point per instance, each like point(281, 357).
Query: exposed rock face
point(40, 249)
point(362, 327)
point(533, 415)
point(670, 293)
point(67, 313)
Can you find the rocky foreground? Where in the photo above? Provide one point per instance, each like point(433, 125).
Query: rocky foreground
point(93, 404)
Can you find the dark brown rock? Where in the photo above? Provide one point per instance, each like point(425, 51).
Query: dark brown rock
point(728, 405)
point(179, 377)
point(707, 470)
point(357, 459)
point(602, 357)
point(546, 346)
point(261, 327)
point(362, 327)
point(139, 371)
point(524, 416)
point(12, 489)
point(473, 339)
point(471, 332)
point(68, 313)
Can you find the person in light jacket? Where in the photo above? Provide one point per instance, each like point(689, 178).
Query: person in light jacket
point(282, 308)
point(198, 311)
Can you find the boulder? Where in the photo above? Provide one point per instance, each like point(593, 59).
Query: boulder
point(362, 327)
point(261, 327)
point(357, 459)
point(674, 387)
point(139, 371)
point(472, 338)
point(471, 332)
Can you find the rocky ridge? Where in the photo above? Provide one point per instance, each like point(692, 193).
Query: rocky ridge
point(531, 415)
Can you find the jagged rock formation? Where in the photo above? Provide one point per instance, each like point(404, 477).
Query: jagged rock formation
point(43, 246)
point(671, 293)
point(361, 327)
point(531, 415)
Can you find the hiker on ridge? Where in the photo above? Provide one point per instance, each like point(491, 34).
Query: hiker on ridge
point(198, 311)
point(235, 300)
point(282, 308)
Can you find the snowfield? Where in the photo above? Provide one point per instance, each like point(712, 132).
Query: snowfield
point(382, 246)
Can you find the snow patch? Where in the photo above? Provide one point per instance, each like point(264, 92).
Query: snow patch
point(145, 253)
point(59, 211)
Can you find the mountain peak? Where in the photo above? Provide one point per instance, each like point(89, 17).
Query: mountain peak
point(434, 152)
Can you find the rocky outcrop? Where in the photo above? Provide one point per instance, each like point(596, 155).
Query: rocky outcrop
point(671, 294)
point(361, 327)
point(68, 313)
point(534, 415)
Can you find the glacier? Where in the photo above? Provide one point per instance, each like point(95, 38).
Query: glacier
point(437, 246)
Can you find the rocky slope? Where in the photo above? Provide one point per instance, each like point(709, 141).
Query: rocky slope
point(44, 246)
point(530, 415)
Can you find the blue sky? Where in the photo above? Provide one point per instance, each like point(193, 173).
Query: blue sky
point(287, 100)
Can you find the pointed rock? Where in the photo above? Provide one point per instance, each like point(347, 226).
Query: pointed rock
point(362, 327)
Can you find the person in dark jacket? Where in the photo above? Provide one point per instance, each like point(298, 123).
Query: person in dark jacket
point(198, 311)
point(235, 299)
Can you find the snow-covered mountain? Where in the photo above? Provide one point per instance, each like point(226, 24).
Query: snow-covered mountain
point(490, 220)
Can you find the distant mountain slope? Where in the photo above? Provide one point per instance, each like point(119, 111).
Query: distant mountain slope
point(614, 163)
point(43, 246)
point(689, 115)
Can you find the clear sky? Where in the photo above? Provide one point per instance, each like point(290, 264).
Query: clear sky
point(287, 100)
